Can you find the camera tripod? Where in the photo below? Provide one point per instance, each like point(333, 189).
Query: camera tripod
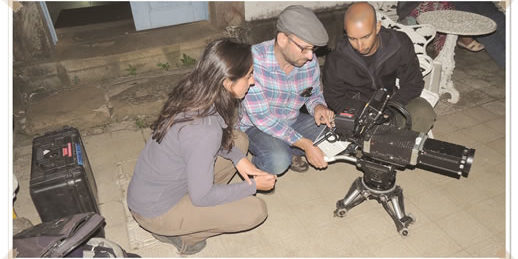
point(379, 183)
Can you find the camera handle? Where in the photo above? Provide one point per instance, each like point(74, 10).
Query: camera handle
point(377, 183)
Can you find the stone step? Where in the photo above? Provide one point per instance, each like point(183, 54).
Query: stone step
point(85, 57)
point(133, 100)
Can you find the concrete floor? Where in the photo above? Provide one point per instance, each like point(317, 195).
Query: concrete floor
point(455, 218)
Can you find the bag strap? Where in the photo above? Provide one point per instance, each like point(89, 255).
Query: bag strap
point(79, 235)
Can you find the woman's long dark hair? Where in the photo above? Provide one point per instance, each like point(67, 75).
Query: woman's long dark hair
point(202, 89)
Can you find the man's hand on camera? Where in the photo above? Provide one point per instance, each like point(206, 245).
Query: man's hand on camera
point(314, 155)
point(324, 116)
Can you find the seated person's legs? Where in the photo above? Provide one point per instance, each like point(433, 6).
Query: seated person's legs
point(193, 225)
point(274, 155)
point(271, 155)
point(306, 126)
point(422, 114)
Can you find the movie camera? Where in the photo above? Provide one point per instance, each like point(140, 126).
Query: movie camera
point(367, 135)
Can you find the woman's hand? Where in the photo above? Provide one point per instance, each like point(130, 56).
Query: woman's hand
point(265, 182)
point(246, 168)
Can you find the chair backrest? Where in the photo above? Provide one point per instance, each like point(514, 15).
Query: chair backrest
point(420, 35)
point(388, 8)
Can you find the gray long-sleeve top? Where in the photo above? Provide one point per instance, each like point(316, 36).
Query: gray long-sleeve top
point(183, 163)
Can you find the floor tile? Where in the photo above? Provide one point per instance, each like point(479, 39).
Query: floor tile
point(488, 247)
point(464, 229)
point(497, 107)
point(460, 137)
point(480, 114)
point(435, 204)
point(395, 247)
point(117, 233)
point(482, 134)
point(485, 155)
point(129, 144)
point(113, 213)
point(460, 120)
point(430, 240)
point(498, 145)
point(490, 214)
point(498, 124)
point(372, 227)
point(108, 191)
point(99, 149)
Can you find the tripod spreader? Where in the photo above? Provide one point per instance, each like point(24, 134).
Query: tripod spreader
point(378, 182)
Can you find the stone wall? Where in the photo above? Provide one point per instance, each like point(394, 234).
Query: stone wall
point(32, 43)
point(30, 34)
point(257, 10)
point(223, 14)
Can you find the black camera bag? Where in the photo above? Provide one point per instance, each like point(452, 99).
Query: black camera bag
point(59, 237)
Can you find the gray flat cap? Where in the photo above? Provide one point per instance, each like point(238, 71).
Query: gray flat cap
point(301, 21)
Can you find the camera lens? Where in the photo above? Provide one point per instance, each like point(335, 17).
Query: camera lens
point(467, 160)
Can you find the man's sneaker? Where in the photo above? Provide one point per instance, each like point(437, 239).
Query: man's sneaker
point(183, 249)
point(298, 164)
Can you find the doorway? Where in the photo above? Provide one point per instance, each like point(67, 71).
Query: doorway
point(69, 14)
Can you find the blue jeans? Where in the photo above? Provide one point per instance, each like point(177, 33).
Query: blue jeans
point(273, 155)
point(494, 42)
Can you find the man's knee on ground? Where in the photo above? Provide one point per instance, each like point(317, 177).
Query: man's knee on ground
point(276, 162)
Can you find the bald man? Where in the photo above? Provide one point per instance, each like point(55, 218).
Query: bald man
point(371, 57)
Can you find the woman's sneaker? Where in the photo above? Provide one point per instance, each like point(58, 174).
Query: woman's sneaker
point(183, 249)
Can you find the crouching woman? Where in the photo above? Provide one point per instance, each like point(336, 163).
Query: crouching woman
point(179, 190)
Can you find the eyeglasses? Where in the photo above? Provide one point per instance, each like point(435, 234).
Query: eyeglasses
point(307, 92)
point(303, 49)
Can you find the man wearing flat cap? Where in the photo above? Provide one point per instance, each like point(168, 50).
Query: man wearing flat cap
point(287, 76)
point(370, 57)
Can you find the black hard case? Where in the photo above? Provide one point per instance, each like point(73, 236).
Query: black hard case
point(62, 182)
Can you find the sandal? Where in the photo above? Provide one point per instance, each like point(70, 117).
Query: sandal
point(473, 46)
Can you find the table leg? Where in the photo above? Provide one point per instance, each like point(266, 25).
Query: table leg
point(446, 58)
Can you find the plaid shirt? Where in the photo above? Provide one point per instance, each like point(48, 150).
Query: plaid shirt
point(272, 104)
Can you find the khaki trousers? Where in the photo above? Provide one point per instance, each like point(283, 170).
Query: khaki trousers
point(194, 224)
point(422, 115)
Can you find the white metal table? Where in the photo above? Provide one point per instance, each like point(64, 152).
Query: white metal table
point(454, 23)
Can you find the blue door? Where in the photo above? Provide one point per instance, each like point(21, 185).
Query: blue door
point(149, 15)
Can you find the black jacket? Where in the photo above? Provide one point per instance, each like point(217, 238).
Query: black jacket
point(346, 75)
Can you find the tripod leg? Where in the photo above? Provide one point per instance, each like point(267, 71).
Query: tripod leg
point(397, 211)
point(353, 197)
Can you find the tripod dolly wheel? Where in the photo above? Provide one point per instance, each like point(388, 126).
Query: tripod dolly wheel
point(340, 212)
point(403, 232)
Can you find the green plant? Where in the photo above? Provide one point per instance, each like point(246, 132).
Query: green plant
point(141, 123)
point(76, 80)
point(187, 60)
point(163, 66)
point(132, 70)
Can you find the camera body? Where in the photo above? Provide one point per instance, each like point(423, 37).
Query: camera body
point(373, 137)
